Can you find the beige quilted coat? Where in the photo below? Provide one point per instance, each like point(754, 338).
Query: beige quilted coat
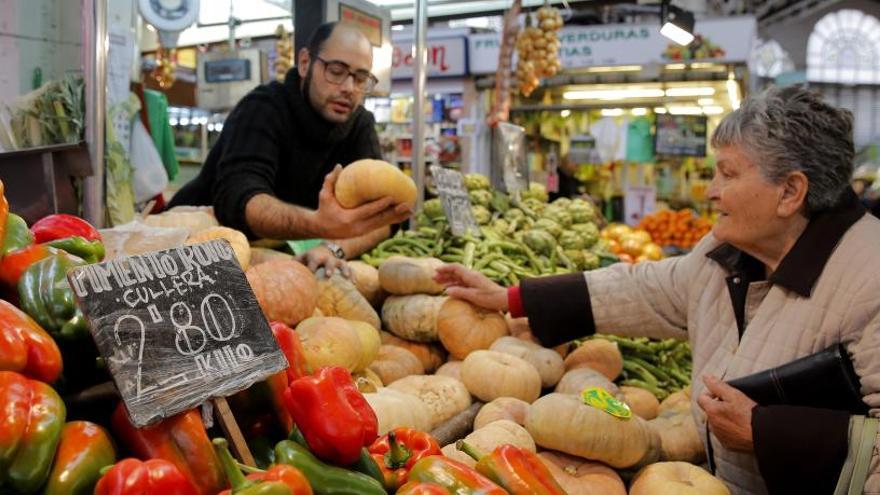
point(687, 297)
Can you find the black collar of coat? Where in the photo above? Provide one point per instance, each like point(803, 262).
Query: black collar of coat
point(801, 267)
point(318, 130)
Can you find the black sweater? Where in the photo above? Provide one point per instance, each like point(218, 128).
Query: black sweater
point(274, 142)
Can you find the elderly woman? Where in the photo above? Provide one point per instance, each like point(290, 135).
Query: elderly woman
point(791, 267)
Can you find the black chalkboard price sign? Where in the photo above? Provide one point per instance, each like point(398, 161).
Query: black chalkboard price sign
point(456, 201)
point(176, 327)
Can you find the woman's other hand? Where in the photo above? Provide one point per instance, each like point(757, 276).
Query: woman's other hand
point(729, 413)
point(472, 286)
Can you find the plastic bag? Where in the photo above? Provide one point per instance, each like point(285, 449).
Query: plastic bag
point(150, 177)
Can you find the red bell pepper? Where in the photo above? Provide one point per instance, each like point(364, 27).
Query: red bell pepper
point(517, 470)
point(454, 476)
point(4, 211)
point(398, 451)
point(13, 265)
point(181, 440)
point(333, 415)
point(30, 428)
point(153, 477)
point(85, 449)
point(279, 478)
point(413, 488)
point(61, 226)
point(25, 347)
point(288, 341)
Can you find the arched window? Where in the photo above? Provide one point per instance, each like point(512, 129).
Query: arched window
point(844, 47)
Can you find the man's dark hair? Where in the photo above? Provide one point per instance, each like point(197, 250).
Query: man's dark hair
point(319, 36)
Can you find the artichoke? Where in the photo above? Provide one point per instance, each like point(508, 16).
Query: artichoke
point(540, 241)
point(576, 256)
point(588, 232)
point(513, 214)
point(476, 181)
point(591, 260)
point(480, 197)
point(581, 211)
point(536, 191)
point(534, 205)
point(433, 208)
point(549, 225)
point(558, 215)
point(562, 202)
point(481, 214)
point(500, 201)
point(571, 240)
point(501, 225)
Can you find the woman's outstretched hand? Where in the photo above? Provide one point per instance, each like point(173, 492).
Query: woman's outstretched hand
point(472, 287)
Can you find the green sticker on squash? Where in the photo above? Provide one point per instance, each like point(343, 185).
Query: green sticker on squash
point(604, 401)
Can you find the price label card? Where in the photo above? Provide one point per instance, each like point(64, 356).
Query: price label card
point(456, 201)
point(176, 327)
point(604, 401)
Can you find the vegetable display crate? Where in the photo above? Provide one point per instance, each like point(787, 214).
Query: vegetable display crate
point(44, 179)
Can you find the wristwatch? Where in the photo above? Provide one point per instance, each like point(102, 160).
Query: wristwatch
point(334, 248)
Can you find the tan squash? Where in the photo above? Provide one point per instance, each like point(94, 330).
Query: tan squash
point(451, 368)
point(337, 296)
point(444, 396)
point(432, 356)
point(286, 290)
point(489, 375)
point(519, 328)
point(366, 180)
point(507, 408)
point(577, 380)
point(366, 279)
point(261, 255)
point(236, 239)
point(189, 218)
point(546, 361)
point(676, 478)
point(599, 354)
point(562, 422)
point(642, 402)
point(413, 317)
point(402, 275)
point(679, 436)
point(490, 436)
point(394, 363)
point(464, 328)
point(370, 343)
point(579, 476)
point(330, 341)
point(367, 381)
point(395, 409)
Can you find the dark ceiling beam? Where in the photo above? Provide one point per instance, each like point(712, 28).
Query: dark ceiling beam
point(794, 11)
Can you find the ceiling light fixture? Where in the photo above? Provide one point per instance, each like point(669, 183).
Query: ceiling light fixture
point(613, 94)
point(705, 101)
point(612, 112)
point(639, 111)
point(713, 110)
point(565, 113)
point(677, 23)
point(694, 91)
point(659, 110)
point(685, 110)
point(733, 91)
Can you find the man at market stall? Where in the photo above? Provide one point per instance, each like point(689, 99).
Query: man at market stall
point(272, 172)
point(790, 268)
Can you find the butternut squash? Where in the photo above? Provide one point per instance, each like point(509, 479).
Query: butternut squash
point(286, 290)
point(402, 275)
point(489, 375)
point(546, 361)
point(432, 356)
point(337, 296)
point(502, 408)
point(676, 478)
point(394, 363)
point(366, 279)
point(396, 409)
point(444, 396)
point(562, 422)
point(366, 180)
point(599, 354)
point(579, 476)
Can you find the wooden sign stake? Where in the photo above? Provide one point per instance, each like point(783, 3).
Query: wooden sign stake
point(233, 432)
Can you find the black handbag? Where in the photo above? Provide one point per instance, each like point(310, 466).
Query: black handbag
point(825, 380)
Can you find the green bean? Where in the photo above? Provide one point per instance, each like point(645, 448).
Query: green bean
point(469, 250)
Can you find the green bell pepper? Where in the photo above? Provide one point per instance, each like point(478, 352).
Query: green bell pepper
point(324, 478)
point(46, 296)
point(17, 235)
point(89, 251)
point(240, 484)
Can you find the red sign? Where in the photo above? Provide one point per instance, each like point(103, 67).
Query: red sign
point(446, 57)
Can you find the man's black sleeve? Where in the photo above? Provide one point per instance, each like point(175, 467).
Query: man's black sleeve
point(248, 161)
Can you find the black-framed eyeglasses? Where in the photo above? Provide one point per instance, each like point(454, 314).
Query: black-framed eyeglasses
point(336, 72)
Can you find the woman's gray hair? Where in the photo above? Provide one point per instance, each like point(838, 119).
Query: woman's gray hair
point(791, 129)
